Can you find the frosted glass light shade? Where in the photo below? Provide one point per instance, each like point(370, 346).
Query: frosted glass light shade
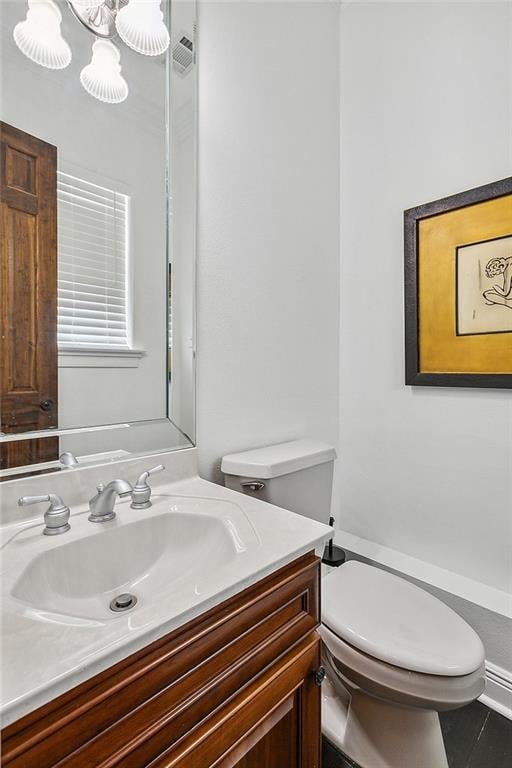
point(140, 25)
point(87, 3)
point(102, 77)
point(39, 36)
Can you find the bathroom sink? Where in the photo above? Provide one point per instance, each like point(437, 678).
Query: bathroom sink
point(176, 546)
point(199, 544)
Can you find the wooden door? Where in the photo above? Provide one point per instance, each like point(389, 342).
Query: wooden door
point(28, 296)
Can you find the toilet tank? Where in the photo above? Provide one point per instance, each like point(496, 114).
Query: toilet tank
point(296, 475)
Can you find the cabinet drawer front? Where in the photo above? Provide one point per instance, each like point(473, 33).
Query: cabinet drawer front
point(162, 692)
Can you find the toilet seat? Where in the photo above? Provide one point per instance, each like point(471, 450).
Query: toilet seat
point(389, 619)
point(400, 686)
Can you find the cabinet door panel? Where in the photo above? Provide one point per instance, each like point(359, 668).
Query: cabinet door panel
point(278, 747)
point(285, 698)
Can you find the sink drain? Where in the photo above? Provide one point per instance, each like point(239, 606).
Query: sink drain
point(123, 602)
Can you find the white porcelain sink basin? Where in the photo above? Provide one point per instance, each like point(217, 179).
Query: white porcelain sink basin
point(177, 545)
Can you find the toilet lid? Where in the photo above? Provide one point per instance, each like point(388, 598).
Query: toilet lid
point(395, 621)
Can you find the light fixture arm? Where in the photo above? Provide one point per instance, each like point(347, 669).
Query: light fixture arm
point(100, 20)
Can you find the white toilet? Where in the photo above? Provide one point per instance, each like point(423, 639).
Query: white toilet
point(395, 655)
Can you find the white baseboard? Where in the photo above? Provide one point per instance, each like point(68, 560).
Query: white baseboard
point(498, 690)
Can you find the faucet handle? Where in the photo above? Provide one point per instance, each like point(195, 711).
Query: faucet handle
point(57, 515)
point(24, 501)
point(143, 478)
point(141, 496)
point(55, 501)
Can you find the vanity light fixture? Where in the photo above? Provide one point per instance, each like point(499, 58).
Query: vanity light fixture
point(87, 3)
point(139, 24)
point(102, 77)
point(39, 36)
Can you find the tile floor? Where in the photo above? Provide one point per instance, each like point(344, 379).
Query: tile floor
point(475, 737)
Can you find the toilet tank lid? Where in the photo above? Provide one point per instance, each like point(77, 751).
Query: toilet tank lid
point(276, 460)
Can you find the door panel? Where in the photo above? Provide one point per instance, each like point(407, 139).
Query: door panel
point(278, 747)
point(277, 717)
point(28, 317)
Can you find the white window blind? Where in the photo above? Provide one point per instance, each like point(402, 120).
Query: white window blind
point(92, 265)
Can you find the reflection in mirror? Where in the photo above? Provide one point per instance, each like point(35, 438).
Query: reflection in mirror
point(98, 211)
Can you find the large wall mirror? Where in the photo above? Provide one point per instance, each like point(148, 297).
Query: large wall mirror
point(98, 111)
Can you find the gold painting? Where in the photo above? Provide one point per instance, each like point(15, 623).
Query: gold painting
point(458, 271)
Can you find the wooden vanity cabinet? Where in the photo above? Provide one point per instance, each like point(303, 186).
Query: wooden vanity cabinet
point(233, 688)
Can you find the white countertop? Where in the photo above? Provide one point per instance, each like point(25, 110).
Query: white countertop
point(43, 657)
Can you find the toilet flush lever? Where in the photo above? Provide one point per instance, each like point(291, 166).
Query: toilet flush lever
point(252, 485)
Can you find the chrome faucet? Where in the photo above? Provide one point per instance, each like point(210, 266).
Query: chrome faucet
point(56, 517)
point(102, 505)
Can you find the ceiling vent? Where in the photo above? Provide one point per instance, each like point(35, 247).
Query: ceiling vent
point(183, 55)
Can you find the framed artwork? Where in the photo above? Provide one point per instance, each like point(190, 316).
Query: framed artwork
point(458, 289)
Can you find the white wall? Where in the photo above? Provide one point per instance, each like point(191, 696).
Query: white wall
point(426, 111)
point(268, 255)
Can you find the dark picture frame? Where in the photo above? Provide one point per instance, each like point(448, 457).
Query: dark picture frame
point(412, 217)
